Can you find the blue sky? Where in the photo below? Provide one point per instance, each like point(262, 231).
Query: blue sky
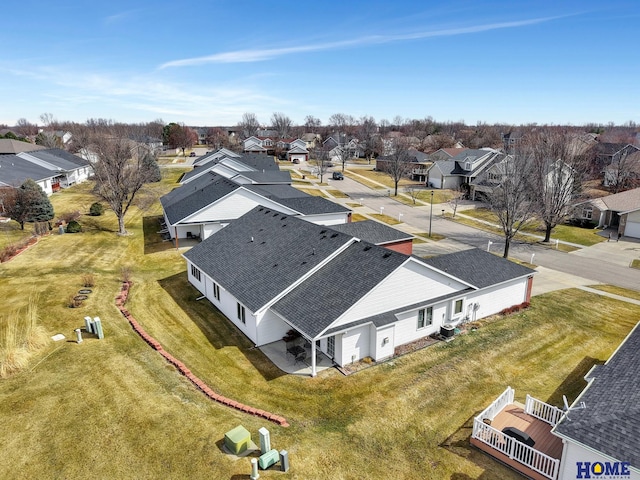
point(208, 62)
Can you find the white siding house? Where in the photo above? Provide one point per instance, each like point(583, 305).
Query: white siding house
point(355, 299)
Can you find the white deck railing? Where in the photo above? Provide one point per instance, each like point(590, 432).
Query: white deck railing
point(498, 404)
point(524, 454)
point(542, 411)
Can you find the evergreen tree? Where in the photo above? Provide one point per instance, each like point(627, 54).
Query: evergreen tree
point(28, 203)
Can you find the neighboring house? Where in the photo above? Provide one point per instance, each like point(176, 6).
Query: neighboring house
point(558, 178)
point(608, 153)
point(607, 429)
point(419, 163)
point(378, 234)
point(445, 153)
point(14, 171)
point(623, 172)
point(247, 165)
point(218, 154)
point(310, 140)
point(68, 169)
point(297, 154)
point(255, 144)
point(210, 202)
point(11, 147)
point(348, 298)
point(461, 169)
point(620, 211)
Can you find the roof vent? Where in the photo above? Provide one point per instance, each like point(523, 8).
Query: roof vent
point(275, 214)
point(284, 225)
point(251, 239)
point(283, 217)
point(262, 243)
point(322, 231)
point(368, 247)
point(386, 255)
point(334, 235)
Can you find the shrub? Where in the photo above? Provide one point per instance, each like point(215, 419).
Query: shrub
point(69, 217)
point(73, 301)
point(126, 272)
point(96, 209)
point(88, 280)
point(73, 227)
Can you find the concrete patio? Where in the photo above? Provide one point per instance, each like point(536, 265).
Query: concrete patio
point(277, 353)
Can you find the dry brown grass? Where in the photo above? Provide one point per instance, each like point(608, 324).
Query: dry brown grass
point(21, 337)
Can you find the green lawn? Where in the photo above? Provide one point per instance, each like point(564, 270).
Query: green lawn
point(566, 233)
point(114, 408)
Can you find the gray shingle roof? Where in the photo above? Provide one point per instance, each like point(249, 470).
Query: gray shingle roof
point(321, 299)
point(262, 253)
point(55, 161)
point(268, 176)
point(610, 423)
point(310, 205)
point(373, 232)
point(70, 157)
point(478, 268)
point(15, 170)
point(188, 199)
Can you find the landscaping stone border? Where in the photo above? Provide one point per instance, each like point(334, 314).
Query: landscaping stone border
point(121, 299)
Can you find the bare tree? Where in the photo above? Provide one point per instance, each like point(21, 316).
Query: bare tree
point(512, 198)
point(249, 124)
point(370, 140)
point(120, 170)
point(413, 191)
point(180, 136)
point(312, 123)
point(281, 124)
point(624, 173)
point(48, 120)
point(25, 128)
point(342, 123)
point(321, 160)
point(454, 201)
point(398, 164)
point(559, 160)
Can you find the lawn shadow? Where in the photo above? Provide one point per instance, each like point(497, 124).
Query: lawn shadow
point(574, 383)
point(459, 443)
point(91, 223)
point(218, 330)
point(153, 242)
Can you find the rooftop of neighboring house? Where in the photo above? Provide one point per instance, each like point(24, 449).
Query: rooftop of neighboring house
point(372, 232)
point(9, 146)
point(619, 202)
point(610, 421)
point(15, 170)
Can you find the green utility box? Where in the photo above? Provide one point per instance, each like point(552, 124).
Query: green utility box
point(237, 440)
point(267, 459)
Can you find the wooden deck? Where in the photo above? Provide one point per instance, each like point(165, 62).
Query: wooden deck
point(513, 415)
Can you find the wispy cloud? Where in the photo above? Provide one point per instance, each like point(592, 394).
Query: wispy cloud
point(119, 17)
point(243, 56)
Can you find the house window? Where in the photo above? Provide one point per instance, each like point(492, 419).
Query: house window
point(425, 317)
point(216, 291)
point(467, 166)
point(241, 313)
point(458, 307)
point(331, 346)
point(587, 212)
point(195, 273)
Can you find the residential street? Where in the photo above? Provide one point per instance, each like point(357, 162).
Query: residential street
point(603, 263)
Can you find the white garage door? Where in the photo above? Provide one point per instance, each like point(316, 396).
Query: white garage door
point(632, 230)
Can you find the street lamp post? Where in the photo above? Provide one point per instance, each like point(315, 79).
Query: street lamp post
point(430, 213)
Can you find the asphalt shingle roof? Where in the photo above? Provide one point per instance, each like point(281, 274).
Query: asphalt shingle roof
point(478, 268)
point(70, 157)
point(316, 303)
point(372, 231)
point(610, 423)
point(261, 254)
point(53, 160)
point(188, 199)
point(15, 170)
point(11, 147)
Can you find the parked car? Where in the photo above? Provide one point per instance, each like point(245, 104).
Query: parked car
point(296, 161)
point(192, 154)
point(337, 176)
